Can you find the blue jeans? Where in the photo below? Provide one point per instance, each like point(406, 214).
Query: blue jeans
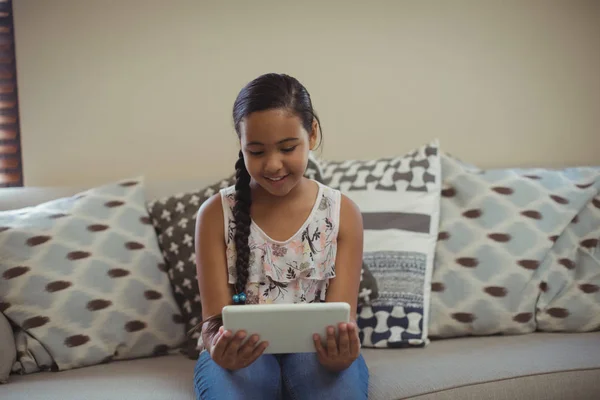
point(281, 376)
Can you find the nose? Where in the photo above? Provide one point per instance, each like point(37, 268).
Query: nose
point(272, 165)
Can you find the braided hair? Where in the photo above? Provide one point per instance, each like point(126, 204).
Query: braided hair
point(241, 215)
point(268, 91)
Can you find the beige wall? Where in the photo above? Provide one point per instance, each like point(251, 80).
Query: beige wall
point(118, 88)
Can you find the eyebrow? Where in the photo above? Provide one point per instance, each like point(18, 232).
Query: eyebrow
point(290, 139)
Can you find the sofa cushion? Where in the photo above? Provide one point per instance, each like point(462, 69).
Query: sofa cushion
point(459, 362)
point(174, 221)
point(157, 378)
point(399, 201)
point(496, 229)
point(83, 280)
point(443, 366)
point(570, 276)
point(576, 384)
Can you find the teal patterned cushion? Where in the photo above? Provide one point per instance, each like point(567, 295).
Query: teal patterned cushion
point(84, 281)
point(570, 276)
point(496, 229)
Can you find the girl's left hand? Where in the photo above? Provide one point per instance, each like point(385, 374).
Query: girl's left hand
point(338, 355)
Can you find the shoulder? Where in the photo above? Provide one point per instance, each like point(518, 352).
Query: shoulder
point(213, 206)
point(351, 221)
point(348, 211)
point(210, 213)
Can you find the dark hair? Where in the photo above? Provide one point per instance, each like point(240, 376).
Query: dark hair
point(269, 91)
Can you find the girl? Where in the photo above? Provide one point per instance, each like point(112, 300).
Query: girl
point(277, 237)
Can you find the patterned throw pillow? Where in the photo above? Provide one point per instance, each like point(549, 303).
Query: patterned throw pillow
point(570, 278)
point(496, 229)
point(174, 220)
point(84, 281)
point(399, 200)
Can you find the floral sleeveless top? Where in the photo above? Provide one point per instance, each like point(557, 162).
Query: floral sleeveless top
point(293, 271)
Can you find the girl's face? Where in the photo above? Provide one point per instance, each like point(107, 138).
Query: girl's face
point(275, 147)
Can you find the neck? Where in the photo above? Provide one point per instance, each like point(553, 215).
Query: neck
point(260, 195)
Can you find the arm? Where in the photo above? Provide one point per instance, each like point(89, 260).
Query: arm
point(211, 266)
point(215, 292)
point(345, 286)
point(339, 353)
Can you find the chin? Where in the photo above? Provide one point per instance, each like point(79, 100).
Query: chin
point(280, 188)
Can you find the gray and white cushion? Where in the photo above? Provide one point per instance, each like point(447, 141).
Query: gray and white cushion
point(174, 221)
point(399, 201)
point(83, 280)
point(497, 228)
point(570, 276)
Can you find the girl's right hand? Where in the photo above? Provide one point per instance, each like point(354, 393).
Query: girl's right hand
point(229, 353)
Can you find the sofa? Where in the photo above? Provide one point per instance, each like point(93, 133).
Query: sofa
point(476, 365)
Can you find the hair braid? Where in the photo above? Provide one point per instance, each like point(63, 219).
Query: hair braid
point(241, 215)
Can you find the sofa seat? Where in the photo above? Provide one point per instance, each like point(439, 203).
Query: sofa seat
point(536, 366)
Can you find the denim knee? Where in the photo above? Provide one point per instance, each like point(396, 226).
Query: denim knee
point(305, 378)
point(261, 380)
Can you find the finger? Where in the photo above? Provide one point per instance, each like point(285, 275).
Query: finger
point(321, 352)
point(215, 338)
point(235, 344)
point(354, 339)
point(247, 348)
point(221, 344)
point(332, 349)
point(344, 340)
point(259, 350)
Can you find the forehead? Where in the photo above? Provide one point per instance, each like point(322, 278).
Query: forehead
point(270, 126)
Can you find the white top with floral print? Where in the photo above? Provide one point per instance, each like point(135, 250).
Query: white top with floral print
point(293, 271)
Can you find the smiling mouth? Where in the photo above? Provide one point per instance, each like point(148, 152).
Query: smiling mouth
point(277, 179)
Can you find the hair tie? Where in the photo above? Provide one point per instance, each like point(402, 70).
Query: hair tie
point(239, 298)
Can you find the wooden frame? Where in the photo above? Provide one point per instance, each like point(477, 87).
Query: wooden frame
point(11, 167)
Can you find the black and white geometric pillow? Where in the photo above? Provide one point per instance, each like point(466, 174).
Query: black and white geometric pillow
point(399, 200)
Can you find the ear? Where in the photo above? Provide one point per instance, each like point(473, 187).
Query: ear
point(314, 134)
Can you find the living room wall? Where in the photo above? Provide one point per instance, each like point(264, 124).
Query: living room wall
point(111, 89)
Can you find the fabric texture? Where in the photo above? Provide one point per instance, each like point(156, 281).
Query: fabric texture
point(441, 366)
point(281, 376)
point(570, 276)
point(296, 270)
point(580, 385)
point(450, 363)
point(399, 201)
point(497, 228)
point(174, 219)
point(168, 377)
point(84, 281)
point(8, 351)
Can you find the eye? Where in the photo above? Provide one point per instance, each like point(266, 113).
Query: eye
point(255, 153)
point(289, 149)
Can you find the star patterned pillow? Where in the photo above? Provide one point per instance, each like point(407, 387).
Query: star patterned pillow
point(174, 221)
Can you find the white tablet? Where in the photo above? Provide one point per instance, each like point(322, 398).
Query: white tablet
point(289, 328)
